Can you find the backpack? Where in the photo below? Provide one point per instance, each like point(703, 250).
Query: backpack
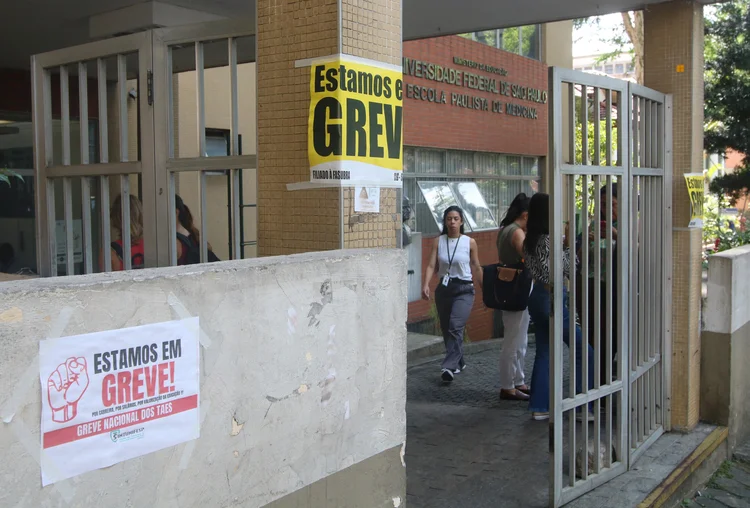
point(137, 261)
point(192, 252)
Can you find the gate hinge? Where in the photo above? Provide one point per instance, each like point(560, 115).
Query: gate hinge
point(150, 86)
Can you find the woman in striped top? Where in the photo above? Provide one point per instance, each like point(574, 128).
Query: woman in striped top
point(537, 251)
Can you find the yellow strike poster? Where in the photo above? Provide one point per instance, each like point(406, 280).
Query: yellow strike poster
point(355, 127)
point(696, 191)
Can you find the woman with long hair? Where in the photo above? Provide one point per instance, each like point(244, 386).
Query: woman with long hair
point(135, 229)
point(188, 236)
point(537, 257)
point(457, 261)
point(515, 323)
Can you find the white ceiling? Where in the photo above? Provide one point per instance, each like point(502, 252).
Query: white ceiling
point(28, 27)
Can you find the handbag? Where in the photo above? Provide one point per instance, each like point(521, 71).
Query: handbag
point(506, 287)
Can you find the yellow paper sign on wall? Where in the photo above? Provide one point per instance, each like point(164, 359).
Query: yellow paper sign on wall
point(355, 126)
point(696, 191)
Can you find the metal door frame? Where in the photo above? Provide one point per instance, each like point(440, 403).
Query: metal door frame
point(42, 66)
point(156, 165)
point(651, 344)
point(560, 169)
point(164, 39)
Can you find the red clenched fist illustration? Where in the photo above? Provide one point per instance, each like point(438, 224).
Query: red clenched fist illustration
point(65, 387)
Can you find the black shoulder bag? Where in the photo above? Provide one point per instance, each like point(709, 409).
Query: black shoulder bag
point(506, 286)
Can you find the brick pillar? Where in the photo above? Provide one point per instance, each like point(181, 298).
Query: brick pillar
point(674, 64)
point(288, 31)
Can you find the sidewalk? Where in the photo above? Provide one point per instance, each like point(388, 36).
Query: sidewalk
point(466, 448)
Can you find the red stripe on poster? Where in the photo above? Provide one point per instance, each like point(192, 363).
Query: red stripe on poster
point(120, 421)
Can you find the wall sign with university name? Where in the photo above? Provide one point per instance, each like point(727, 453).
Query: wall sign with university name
point(466, 79)
point(355, 127)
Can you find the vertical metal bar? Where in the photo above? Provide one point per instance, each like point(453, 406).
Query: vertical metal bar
point(641, 303)
point(125, 233)
point(204, 212)
point(68, 210)
point(584, 126)
point(556, 276)
point(201, 101)
point(649, 302)
point(169, 83)
point(101, 68)
point(573, 376)
point(647, 134)
point(597, 129)
point(608, 117)
point(636, 137)
point(106, 227)
point(572, 292)
point(623, 269)
point(83, 108)
point(642, 131)
point(88, 253)
point(172, 221)
point(665, 126)
point(608, 287)
point(585, 267)
point(654, 262)
point(659, 297)
point(657, 142)
point(65, 114)
point(44, 188)
point(571, 122)
point(635, 299)
point(235, 144)
point(52, 224)
point(122, 107)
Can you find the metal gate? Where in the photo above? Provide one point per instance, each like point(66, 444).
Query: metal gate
point(610, 180)
point(125, 88)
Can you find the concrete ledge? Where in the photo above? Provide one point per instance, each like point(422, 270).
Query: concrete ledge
point(691, 473)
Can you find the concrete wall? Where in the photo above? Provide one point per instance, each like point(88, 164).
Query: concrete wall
point(303, 382)
point(725, 378)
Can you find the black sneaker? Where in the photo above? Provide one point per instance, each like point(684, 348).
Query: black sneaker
point(447, 376)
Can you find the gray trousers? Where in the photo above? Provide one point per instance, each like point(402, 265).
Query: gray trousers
point(454, 304)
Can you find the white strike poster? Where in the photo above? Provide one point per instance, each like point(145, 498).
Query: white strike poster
point(116, 395)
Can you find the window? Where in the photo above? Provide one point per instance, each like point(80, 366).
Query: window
point(442, 173)
point(440, 195)
point(523, 40)
point(620, 69)
point(609, 69)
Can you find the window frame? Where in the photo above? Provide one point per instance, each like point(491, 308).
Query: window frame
point(449, 178)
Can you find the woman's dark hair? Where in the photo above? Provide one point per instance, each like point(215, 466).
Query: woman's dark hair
point(186, 219)
point(460, 212)
point(519, 205)
point(538, 222)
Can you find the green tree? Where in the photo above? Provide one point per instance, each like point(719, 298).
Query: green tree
point(627, 38)
point(727, 97)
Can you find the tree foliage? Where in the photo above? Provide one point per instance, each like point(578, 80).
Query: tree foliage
point(727, 97)
point(626, 38)
point(7, 174)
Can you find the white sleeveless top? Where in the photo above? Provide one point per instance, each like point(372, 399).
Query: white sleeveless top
point(460, 268)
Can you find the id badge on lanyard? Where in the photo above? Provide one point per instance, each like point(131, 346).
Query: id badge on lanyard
point(447, 276)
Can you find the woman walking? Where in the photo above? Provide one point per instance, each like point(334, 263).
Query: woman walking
point(515, 323)
point(456, 259)
point(537, 252)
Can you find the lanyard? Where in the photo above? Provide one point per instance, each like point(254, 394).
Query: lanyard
point(447, 251)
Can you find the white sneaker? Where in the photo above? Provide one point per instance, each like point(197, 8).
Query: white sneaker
point(539, 417)
point(446, 376)
point(458, 370)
